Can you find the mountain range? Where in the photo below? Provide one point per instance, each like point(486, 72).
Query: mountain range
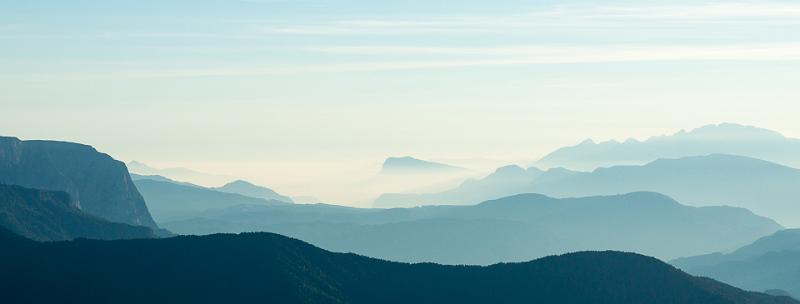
point(765, 188)
point(723, 138)
point(96, 183)
point(57, 192)
point(516, 228)
point(274, 269)
point(179, 173)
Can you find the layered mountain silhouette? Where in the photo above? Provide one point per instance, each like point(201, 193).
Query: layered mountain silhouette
point(765, 188)
point(248, 189)
point(50, 216)
point(96, 183)
point(179, 173)
point(712, 139)
point(505, 181)
point(168, 199)
point(770, 263)
point(274, 269)
point(135, 177)
point(516, 228)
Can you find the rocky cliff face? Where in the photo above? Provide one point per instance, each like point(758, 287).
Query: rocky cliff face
point(95, 182)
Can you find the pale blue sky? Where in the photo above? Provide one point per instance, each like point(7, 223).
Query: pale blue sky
point(294, 92)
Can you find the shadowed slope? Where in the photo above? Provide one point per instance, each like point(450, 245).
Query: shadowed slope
point(269, 268)
point(49, 216)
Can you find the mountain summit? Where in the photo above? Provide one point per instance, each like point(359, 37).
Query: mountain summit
point(248, 189)
point(407, 164)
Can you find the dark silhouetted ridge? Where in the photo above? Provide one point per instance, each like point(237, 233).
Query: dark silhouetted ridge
point(269, 268)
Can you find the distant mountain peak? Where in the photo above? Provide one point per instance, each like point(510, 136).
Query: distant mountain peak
point(408, 164)
point(252, 190)
point(239, 182)
point(510, 169)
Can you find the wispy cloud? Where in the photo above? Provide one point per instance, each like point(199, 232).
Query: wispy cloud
point(707, 11)
point(600, 53)
point(604, 16)
point(470, 57)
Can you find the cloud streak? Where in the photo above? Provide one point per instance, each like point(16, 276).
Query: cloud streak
point(605, 16)
point(470, 57)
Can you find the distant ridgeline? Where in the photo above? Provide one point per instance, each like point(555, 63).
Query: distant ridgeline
point(766, 188)
point(722, 138)
point(168, 199)
point(724, 164)
point(269, 268)
point(516, 228)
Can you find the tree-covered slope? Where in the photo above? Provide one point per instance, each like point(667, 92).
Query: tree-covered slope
point(269, 268)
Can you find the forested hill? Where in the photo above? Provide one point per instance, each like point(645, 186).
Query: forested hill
point(269, 268)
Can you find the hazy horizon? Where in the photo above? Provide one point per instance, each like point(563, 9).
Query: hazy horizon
point(309, 97)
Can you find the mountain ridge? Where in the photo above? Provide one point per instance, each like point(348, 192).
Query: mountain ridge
point(168, 199)
point(769, 263)
point(510, 229)
point(273, 268)
point(763, 187)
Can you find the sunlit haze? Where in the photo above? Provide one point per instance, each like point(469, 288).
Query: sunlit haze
point(310, 97)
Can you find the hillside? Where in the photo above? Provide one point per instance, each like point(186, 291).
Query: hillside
point(772, 262)
point(49, 216)
point(270, 268)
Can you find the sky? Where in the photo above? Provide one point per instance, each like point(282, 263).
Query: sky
point(308, 95)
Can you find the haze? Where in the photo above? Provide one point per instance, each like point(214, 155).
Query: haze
point(309, 97)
